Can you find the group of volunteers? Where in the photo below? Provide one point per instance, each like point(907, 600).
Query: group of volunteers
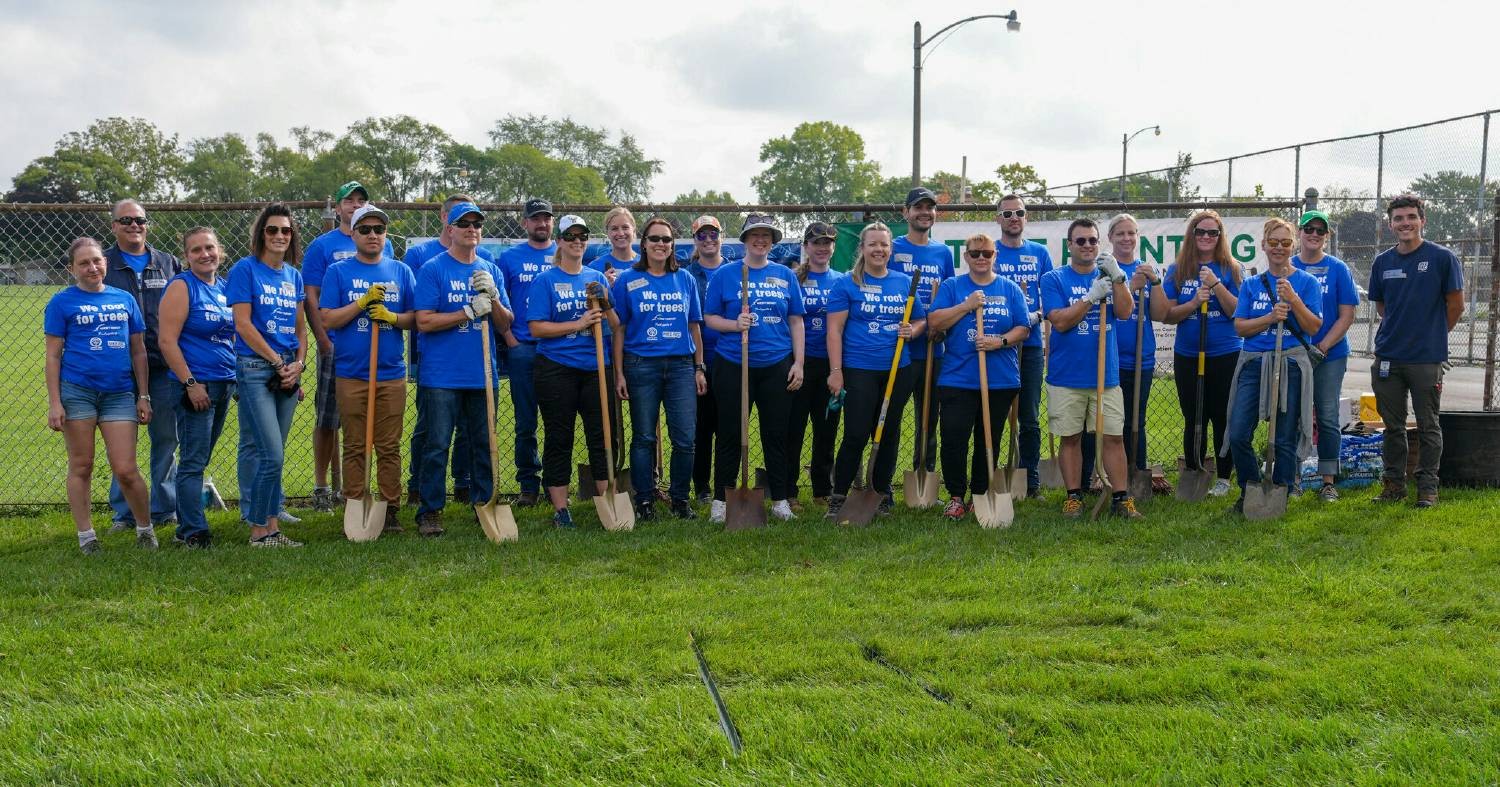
point(143, 338)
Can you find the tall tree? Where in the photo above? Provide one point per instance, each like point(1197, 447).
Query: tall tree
point(820, 163)
point(220, 169)
point(1022, 179)
point(400, 150)
point(1454, 203)
point(71, 176)
point(1169, 186)
point(622, 165)
point(152, 160)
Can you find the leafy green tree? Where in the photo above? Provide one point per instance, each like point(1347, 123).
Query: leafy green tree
point(622, 165)
point(220, 169)
point(400, 150)
point(1454, 203)
point(733, 222)
point(1170, 186)
point(151, 159)
point(71, 176)
point(1022, 179)
point(819, 163)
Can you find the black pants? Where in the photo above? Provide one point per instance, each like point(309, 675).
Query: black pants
point(703, 444)
point(770, 398)
point(965, 469)
point(1218, 371)
point(916, 374)
point(865, 391)
point(811, 403)
point(563, 394)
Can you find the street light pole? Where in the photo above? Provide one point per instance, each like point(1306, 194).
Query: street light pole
point(1125, 154)
point(1012, 24)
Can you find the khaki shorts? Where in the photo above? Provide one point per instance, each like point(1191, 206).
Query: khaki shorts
point(1071, 410)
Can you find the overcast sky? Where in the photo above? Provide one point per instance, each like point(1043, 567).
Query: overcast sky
point(702, 84)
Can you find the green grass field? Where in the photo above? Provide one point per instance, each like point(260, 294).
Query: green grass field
point(1347, 643)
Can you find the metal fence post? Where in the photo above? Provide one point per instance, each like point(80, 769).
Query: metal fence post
point(1489, 350)
point(1229, 184)
point(1297, 170)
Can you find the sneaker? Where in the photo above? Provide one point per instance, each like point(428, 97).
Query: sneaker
point(782, 510)
point(528, 499)
point(430, 524)
point(91, 547)
point(1391, 491)
point(276, 539)
point(199, 540)
point(1329, 493)
point(716, 512)
point(704, 497)
point(563, 518)
point(146, 539)
point(1426, 499)
point(835, 502)
point(120, 526)
point(1073, 507)
point(645, 512)
point(887, 504)
point(392, 524)
point(1220, 488)
point(682, 510)
point(955, 510)
point(1125, 509)
point(322, 499)
point(286, 516)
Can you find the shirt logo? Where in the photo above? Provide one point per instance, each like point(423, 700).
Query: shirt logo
point(95, 343)
point(287, 289)
point(1422, 266)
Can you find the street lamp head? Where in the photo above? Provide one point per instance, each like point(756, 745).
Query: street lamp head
point(1012, 23)
point(1158, 131)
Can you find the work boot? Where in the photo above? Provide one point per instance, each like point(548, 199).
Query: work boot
point(1125, 509)
point(645, 511)
point(835, 502)
point(430, 524)
point(1073, 507)
point(1391, 491)
point(392, 524)
point(682, 510)
point(1426, 499)
point(527, 499)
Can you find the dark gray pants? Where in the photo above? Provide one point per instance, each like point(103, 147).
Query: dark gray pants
point(1424, 383)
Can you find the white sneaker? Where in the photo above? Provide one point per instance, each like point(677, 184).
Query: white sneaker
point(286, 516)
point(716, 512)
point(1220, 488)
point(782, 510)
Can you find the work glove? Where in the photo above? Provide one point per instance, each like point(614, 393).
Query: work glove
point(478, 306)
point(376, 294)
point(484, 282)
point(1099, 291)
point(1111, 266)
point(379, 313)
point(1034, 319)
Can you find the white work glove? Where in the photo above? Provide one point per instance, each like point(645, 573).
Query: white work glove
point(1111, 266)
point(484, 282)
point(478, 306)
point(1099, 291)
point(1034, 319)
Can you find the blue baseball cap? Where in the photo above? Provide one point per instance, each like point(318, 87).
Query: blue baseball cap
point(463, 209)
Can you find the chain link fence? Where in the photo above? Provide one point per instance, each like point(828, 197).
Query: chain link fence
point(33, 239)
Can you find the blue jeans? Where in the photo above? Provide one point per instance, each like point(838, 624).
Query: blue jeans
point(197, 433)
point(162, 431)
point(447, 409)
point(521, 359)
point(460, 468)
point(265, 420)
point(655, 383)
point(1028, 425)
point(1328, 383)
point(1244, 402)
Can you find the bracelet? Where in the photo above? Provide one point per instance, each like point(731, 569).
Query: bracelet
point(831, 370)
point(278, 364)
point(144, 397)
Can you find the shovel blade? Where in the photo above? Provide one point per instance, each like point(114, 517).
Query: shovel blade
point(744, 509)
point(615, 512)
point(919, 489)
point(498, 522)
point(994, 510)
point(1051, 474)
point(1017, 484)
point(1193, 485)
point(357, 527)
point(859, 508)
point(1264, 502)
point(1140, 485)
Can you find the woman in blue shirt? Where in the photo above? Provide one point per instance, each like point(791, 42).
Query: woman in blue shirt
point(619, 228)
point(658, 359)
point(197, 342)
point(96, 361)
point(864, 323)
point(265, 294)
point(1340, 299)
point(1204, 272)
point(810, 403)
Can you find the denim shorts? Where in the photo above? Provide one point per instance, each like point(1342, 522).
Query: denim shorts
point(81, 403)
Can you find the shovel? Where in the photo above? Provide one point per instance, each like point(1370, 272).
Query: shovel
point(1193, 483)
point(1049, 471)
point(613, 507)
point(1015, 477)
point(919, 486)
point(745, 506)
point(995, 508)
point(1139, 480)
point(364, 519)
point(859, 508)
point(1267, 500)
point(495, 518)
point(1105, 485)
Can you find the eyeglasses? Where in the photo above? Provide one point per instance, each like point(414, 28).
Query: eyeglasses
point(1199, 232)
point(659, 239)
point(126, 221)
point(1090, 241)
point(1311, 230)
point(1275, 243)
point(366, 229)
point(707, 235)
point(469, 224)
point(820, 242)
point(977, 254)
point(1019, 213)
point(575, 237)
point(272, 229)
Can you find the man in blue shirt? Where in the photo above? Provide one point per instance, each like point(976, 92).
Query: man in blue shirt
point(1417, 286)
point(142, 270)
point(917, 255)
point(520, 264)
point(1024, 262)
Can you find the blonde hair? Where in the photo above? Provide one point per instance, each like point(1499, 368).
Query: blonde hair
point(983, 239)
point(1274, 222)
point(857, 273)
point(616, 212)
point(1121, 219)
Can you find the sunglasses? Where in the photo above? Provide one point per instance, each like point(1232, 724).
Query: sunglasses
point(1199, 232)
point(469, 224)
point(1019, 213)
point(659, 239)
point(575, 237)
point(981, 254)
point(126, 221)
point(272, 229)
point(367, 229)
point(1283, 243)
point(1311, 230)
point(1085, 241)
point(707, 235)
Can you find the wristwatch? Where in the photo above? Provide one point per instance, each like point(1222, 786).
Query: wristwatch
point(189, 382)
point(1004, 342)
point(701, 367)
point(145, 398)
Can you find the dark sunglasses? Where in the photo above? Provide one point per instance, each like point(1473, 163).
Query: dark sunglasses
point(1199, 232)
point(707, 235)
point(1019, 213)
point(659, 239)
point(272, 229)
point(469, 224)
point(366, 229)
point(981, 253)
point(575, 237)
point(1311, 230)
point(1085, 241)
point(126, 221)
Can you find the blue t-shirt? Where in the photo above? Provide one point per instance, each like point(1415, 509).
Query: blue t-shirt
point(607, 261)
point(655, 311)
point(274, 296)
point(1025, 266)
point(875, 310)
point(95, 328)
point(775, 296)
point(1005, 308)
point(701, 276)
point(935, 262)
point(815, 293)
point(559, 296)
point(1414, 288)
point(1125, 329)
point(207, 338)
point(1222, 340)
point(521, 264)
point(137, 262)
point(1338, 290)
point(326, 249)
point(1073, 355)
point(1256, 301)
point(453, 357)
point(345, 283)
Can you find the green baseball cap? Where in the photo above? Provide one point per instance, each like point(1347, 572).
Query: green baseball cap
point(349, 188)
point(1314, 214)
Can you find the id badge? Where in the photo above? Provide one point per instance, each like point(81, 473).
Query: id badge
point(1385, 369)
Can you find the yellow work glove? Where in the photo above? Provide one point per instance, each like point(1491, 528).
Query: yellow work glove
point(376, 294)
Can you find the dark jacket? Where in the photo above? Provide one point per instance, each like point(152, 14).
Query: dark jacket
point(153, 284)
